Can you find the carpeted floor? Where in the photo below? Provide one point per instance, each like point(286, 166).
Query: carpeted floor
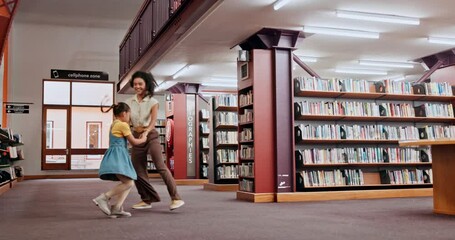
point(62, 209)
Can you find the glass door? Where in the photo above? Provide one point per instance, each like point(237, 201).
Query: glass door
point(56, 138)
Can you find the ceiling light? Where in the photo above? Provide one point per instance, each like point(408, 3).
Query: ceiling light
point(378, 17)
point(360, 71)
point(181, 71)
point(398, 78)
point(280, 3)
point(440, 40)
point(217, 84)
point(223, 79)
point(165, 85)
point(341, 32)
point(386, 64)
point(308, 59)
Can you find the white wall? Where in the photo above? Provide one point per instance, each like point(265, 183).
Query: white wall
point(34, 50)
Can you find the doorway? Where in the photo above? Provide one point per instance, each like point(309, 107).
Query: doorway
point(75, 133)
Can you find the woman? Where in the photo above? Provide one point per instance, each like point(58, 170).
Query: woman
point(144, 111)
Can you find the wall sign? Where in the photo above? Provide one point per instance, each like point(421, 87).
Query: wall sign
point(79, 75)
point(13, 108)
point(191, 139)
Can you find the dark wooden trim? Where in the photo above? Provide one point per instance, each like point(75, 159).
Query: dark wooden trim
point(61, 176)
point(45, 151)
point(98, 151)
point(171, 34)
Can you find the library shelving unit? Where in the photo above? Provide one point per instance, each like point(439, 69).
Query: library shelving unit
point(265, 123)
point(223, 153)
point(256, 124)
point(10, 152)
point(347, 133)
point(204, 141)
point(182, 137)
point(161, 129)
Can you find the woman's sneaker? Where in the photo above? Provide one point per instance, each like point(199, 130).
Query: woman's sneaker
point(118, 213)
point(176, 204)
point(142, 205)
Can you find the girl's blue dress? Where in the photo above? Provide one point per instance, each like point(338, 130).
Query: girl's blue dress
point(116, 160)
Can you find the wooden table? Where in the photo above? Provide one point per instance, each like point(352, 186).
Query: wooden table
point(443, 165)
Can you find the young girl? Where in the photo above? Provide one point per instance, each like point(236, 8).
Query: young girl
point(116, 164)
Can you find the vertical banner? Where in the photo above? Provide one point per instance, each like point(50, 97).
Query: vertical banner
point(191, 139)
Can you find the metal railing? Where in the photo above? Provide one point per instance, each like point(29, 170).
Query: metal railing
point(150, 21)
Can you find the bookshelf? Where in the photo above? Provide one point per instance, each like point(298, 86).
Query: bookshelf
point(256, 135)
point(347, 133)
point(224, 140)
point(204, 142)
point(183, 138)
point(10, 153)
point(161, 129)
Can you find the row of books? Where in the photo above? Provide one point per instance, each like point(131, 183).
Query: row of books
point(205, 128)
point(205, 142)
point(247, 169)
point(334, 84)
point(372, 109)
point(362, 155)
point(226, 137)
point(205, 113)
point(362, 86)
point(406, 176)
point(227, 156)
point(205, 171)
point(227, 172)
point(247, 116)
point(7, 134)
point(246, 99)
point(161, 130)
point(394, 87)
point(161, 122)
point(246, 134)
point(246, 185)
point(246, 152)
point(438, 89)
point(205, 157)
point(226, 100)
point(372, 132)
point(330, 178)
point(434, 110)
point(226, 118)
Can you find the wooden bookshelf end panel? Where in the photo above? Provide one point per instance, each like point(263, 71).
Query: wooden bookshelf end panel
point(264, 143)
point(444, 178)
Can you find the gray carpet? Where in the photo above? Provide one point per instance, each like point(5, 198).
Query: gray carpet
point(62, 209)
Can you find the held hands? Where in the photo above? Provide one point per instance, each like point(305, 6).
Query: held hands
point(143, 137)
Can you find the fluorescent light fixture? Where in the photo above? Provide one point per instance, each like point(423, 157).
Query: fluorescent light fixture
point(165, 85)
point(386, 64)
point(398, 78)
point(279, 3)
point(181, 71)
point(440, 40)
point(218, 84)
point(224, 79)
point(308, 59)
point(376, 17)
point(341, 32)
point(360, 71)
